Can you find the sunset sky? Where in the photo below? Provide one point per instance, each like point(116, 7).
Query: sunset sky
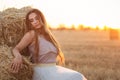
point(87, 12)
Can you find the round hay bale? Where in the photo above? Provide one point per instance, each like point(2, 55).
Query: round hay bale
point(13, 32)
point(5, 60)
point(114, 34)
point(12, 25)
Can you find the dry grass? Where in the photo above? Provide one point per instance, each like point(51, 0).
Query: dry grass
point(12, 23)
point(5, 60)
point(97, 59)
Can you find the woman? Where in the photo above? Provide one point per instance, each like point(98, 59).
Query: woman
point(45, 51)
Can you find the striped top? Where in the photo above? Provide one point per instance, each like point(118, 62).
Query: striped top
point(47, 51)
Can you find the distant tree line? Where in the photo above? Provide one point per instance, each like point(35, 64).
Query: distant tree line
point(79, 27)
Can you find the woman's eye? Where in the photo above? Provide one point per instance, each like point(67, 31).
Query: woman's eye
point(31, 20)
point(37, 18)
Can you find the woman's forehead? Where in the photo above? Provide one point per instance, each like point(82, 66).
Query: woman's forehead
point(32, 15)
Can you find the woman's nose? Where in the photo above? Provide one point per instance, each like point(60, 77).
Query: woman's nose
point(35, 21)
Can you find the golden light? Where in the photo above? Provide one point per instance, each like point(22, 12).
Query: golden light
point(88, 12)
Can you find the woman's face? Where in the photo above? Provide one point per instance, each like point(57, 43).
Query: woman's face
point(35, 20)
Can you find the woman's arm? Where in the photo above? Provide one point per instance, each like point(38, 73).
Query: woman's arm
point(25, 41)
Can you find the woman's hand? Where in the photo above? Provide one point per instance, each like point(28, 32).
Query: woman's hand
point(16, 64)
point(17, 61)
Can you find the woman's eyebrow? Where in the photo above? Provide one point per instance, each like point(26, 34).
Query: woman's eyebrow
point(30, 19)
point(33, 17)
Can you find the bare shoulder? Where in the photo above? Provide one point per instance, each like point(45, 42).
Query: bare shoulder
point(30, 34)
point(26, 40)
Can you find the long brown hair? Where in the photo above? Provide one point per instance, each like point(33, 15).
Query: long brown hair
point(44, 30)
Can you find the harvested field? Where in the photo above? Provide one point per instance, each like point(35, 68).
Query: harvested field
point(96, 57)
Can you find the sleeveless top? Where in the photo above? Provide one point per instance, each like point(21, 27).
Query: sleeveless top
point(47, 51)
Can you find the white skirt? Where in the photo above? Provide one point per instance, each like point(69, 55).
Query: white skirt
point(54, 72)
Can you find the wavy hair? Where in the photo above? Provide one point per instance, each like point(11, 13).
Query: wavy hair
point(44, 30)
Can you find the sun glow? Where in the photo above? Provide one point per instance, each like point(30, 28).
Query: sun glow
point(71, 12)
